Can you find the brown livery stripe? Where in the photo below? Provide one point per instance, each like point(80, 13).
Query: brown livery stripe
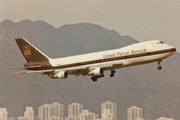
point(115, 58)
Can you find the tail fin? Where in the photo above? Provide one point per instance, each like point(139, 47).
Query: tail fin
point(30, 52)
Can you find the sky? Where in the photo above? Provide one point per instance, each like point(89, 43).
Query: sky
point(141, 19)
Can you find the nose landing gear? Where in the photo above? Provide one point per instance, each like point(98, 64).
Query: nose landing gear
point(159, 67)
point(112, 73)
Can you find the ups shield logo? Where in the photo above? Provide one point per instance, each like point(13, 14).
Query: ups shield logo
point(27, 51)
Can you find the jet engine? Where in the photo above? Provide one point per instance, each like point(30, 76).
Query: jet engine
point(61, 75)
point(96, 72)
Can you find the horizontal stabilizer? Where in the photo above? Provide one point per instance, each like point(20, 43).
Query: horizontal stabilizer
point(29, 72)
point(38, 66)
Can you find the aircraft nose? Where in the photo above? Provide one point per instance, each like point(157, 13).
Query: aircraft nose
point(174, 49)
point(171, 47)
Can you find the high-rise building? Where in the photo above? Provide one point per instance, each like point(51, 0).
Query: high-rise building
point(54, 118)
point(29, 113)
point(139, 119)
point(36, 118)
point(134, 113)
point(58, 110)
point(11, 118)
point(163, 118)
point(21, 118)
point(72, 118)
point(46, 111)
point(86, 115)
point(111, 106)
point(107, 115)
point(3, 114)
point(75, 109)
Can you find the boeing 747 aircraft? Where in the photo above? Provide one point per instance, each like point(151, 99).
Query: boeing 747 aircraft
point(93, 64)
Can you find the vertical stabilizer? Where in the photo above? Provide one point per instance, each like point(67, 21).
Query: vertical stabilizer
point(30, 52)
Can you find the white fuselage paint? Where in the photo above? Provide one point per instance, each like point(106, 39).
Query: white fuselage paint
point(139, 53)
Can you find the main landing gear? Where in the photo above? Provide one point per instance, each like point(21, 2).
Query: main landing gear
point(112, 73)
point(94, 78)
point(159, 67)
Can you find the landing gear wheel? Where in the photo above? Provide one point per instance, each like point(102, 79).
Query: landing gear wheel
point(159, 67)
point(94, 79)
point(111, 75)
point(113, 71)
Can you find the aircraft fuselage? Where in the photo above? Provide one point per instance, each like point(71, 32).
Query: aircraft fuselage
point(139, 53)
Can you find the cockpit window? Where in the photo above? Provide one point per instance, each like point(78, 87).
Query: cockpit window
point(161, 42)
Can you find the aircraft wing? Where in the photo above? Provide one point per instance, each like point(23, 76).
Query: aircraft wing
point(80, 70)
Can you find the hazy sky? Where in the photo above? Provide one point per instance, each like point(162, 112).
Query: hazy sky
point(141, 19)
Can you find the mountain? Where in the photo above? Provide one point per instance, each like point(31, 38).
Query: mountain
point(157, 92)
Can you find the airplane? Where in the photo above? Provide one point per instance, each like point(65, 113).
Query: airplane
point(92, 64)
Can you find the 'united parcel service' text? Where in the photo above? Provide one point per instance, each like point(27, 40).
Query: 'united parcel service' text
point(119, 54)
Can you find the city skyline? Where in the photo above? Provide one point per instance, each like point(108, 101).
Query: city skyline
point(55, 111)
